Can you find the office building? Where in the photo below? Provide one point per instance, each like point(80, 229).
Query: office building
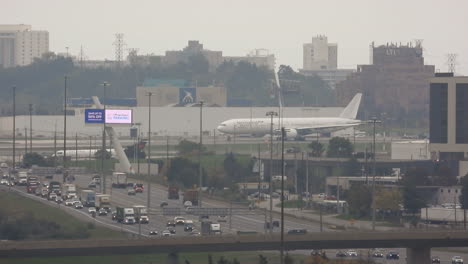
point(20, 45)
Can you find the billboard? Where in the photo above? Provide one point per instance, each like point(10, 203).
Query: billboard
point(114, 116)
point(187, 96)
point(94, 116)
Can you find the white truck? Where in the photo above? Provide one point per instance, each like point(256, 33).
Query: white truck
point(141, 214)
point(69, 191)
point(439, 215)
point(102, 201)
point(22, 178)
point(125, 215)
point(215, 229)
point(119, 180)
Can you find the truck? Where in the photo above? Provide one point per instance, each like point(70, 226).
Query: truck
point(119, 180)
point(102, 201)
point(32, 183)
point(22, 178)
point(125, 215)
point(68, 191)
point(54, 186)
point(192, 196)
point(439, 215)
point(141, 214)
point(88, 198)
point(209, 228)
point(173, 193)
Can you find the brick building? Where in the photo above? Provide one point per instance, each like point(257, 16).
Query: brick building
point(395, 83)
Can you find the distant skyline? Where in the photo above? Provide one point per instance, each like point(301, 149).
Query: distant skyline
point(237, 27)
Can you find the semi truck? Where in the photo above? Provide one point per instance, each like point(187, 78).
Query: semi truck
point(141, 214)
point(192, 196)
point(439, 215)
point(69, 191)
point(209, 228)
point(22, 178)
point(32, 183)
point(119, 180)
point(88, 198)
point(55, 187)
point(102, 201)
point(125, 215)
point(173, 193)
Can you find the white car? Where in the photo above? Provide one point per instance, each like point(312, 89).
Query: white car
point(70, 202)
point(352, 253)
point(179, 220)
point(457, 260)
point(4, 182)
point(92, 210)
point(166, 233)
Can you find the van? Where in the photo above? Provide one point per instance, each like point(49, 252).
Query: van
point(278, 178)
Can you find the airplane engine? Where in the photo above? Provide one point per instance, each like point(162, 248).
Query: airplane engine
point(291, 134)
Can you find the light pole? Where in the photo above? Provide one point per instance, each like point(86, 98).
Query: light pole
point(103, 151)
point(148, 199)
point(200, 176)
point(373, 120)
point(271, 114)
point(338, 207)
point(30, 127)
point(65, 127)
point(14, 127)
point(283, 134)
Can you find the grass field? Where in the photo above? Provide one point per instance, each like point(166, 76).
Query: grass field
point(193, 258)
point(14, 205)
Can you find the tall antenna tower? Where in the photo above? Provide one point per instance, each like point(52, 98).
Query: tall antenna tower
point(452, 62)
point(119, 47)
point(81, 56)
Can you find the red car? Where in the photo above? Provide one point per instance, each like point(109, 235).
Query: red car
point(138, 187)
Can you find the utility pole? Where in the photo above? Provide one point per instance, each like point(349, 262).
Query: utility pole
point(104, 151)
point(76, 149)
point(65, 127)
point(25, 141)
point(148, 199)
point(30, 127)
point(373, 120)
point(55, 145)
point(283, 134)
point(200, 176)
point(271, 114)
point(14, 127)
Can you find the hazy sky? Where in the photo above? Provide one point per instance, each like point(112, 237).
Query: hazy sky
point(238, 26)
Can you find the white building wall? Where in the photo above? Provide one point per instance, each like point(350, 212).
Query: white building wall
point(173, 121)
point(411, 150)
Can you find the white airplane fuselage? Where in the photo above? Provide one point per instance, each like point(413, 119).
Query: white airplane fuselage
point(262, 126)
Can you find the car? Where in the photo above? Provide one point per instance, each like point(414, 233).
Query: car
point(170, 223)
point(318, 253)
point(45, 184)
point(3, 165)
point(172, 230)
point(352, 253)
point(58, 199)
point(92, 185)
point(392, 255)
point(49, 176)
point(102, 212)
point(457, 260)
point(435, 260)
point(188, 226)
point(297, 232)
point(131, 192)
point(153, 233)
point(4, 181)
point(138, 187)
point(179, 220)
point(52, 196)
point(293, 150)
point(188, 204)
point(38, 191)
point(195, 233)
point(377, 254)
point(78, 205)
point(341, 254)
point(92, 210)
point(163, 204)
point(44, 192)
point(166, 233)
point(222, 218)
point(70, 202)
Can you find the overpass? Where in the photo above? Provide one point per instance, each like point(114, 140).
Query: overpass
point(418, 244)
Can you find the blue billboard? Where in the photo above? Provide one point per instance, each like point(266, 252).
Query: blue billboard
point(94, 116)
point(187, 96)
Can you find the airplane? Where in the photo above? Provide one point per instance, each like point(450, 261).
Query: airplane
point(82, 153)
point(295, 127)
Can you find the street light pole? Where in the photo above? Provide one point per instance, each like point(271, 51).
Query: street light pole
point(283, 134)
point(104, 151)
point(14, 127)
point(271, 114)
point(148, 199)
point(30, 127)
point(65, 126)
point(200, 176)
point(373, 121)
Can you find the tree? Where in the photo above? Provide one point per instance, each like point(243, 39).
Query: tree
point(317, 148)
point(389, 199)
point(464, 192)
point(186, 147)
point(184, 171)
point(33, 158)
point(359, 200)
point(234, 170)
point(262, 259)
point(413, 199)
point(288, 259)
point(339, 147)
point(352, 167)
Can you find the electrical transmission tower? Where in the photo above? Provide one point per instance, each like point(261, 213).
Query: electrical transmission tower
point(119, 47)
point(452, 62)
point(81, 57)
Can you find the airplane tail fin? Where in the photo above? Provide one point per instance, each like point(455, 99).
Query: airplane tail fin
point(352, 108)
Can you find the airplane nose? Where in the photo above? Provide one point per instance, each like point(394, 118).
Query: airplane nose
point(220, 128)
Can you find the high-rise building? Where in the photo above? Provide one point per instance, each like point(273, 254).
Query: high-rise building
point(448, 121)
point(20, 45)
point(321, 58)
point(394, 85)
